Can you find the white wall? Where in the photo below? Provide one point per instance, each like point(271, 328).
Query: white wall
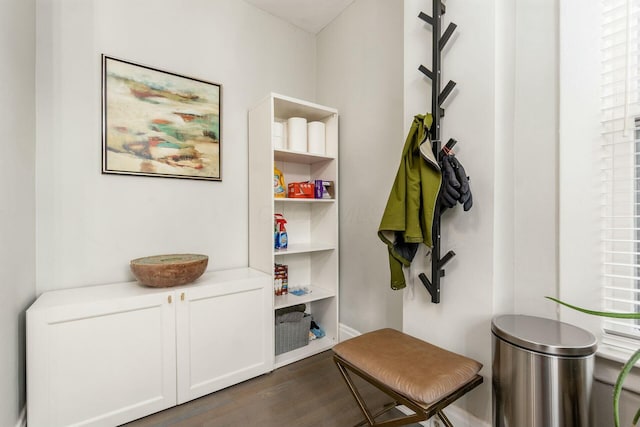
point(535, 162)
point(91, 225)
point(503, 114)
point(461, 321)
point(17, 198)
point(360, 65)
point(580, 75)
point(504, 192)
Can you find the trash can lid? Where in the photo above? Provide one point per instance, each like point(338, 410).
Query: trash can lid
point(544, 335)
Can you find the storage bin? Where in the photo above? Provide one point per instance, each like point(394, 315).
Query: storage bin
point(292, 335)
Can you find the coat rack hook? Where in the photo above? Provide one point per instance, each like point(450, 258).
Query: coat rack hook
point(447, 34)
point(426, 18)
point(434, 290)
point(448, 146)
point(446, 91)
point(427, 72)
point(445, 259)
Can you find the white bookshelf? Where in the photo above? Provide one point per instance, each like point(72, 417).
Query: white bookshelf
point(315, 294)
point(288, 200)
point(301, 248)
point(312, 224)
point(295, 156)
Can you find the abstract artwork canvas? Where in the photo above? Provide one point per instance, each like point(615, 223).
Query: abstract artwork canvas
point(157, 123)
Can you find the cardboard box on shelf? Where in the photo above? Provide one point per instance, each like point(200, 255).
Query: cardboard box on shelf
point(301, 190)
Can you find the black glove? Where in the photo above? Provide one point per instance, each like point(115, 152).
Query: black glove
point(467, 205)
point(448, 166)
point(449, 193)
point(447, 199)
point(455, 183)
point(461, 175)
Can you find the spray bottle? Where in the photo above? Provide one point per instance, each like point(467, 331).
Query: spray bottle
point(280, 234)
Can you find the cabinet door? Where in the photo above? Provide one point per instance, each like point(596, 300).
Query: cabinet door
point(101, 363)
point(224, 335)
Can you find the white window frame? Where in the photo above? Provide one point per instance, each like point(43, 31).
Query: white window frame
point(620, 170)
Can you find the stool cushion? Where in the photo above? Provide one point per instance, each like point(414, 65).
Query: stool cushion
point(416, 369)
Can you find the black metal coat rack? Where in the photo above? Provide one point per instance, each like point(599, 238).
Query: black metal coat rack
point(437, 99)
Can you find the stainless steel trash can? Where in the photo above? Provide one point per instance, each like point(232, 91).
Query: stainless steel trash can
point(542, 372)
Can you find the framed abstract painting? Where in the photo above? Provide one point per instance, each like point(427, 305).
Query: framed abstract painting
point(157, 123)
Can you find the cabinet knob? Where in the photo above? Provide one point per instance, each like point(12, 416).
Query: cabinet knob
point(169, 299)
point(182, 296)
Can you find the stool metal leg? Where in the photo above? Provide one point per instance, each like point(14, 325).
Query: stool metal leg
point(444, 419)
point(386, 408)
point(419, 412)
point(356, 395)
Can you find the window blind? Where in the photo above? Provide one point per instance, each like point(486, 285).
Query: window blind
point(620, 169)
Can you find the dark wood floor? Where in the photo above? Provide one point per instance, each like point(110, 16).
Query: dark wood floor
point(309, 393)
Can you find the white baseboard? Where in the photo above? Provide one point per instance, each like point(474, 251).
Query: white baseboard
point(461, 418)
point(347, 332)
point(408, 411)
point(22, 421)
point(457, 416)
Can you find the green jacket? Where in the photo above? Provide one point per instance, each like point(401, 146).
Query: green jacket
point(408, 216)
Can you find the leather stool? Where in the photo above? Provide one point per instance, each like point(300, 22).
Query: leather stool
point(414, 373)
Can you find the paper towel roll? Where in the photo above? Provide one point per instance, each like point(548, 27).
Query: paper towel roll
point(278, 135)
point(297, 134)
point(315, 137)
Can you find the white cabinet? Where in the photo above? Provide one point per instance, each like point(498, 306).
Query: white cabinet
point(106, 355)
point(99, 361)
point(312, 224)
point(223, 335)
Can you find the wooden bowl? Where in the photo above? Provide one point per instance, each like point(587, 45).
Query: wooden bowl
point(163, 271)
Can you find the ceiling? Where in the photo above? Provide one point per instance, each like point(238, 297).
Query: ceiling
point(310, 15)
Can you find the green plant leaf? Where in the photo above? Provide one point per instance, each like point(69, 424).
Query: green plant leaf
point(598, 313)
point(617, 390)
point(635, 418)
point(618, 387)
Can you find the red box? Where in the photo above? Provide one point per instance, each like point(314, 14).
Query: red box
point(301, 190)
